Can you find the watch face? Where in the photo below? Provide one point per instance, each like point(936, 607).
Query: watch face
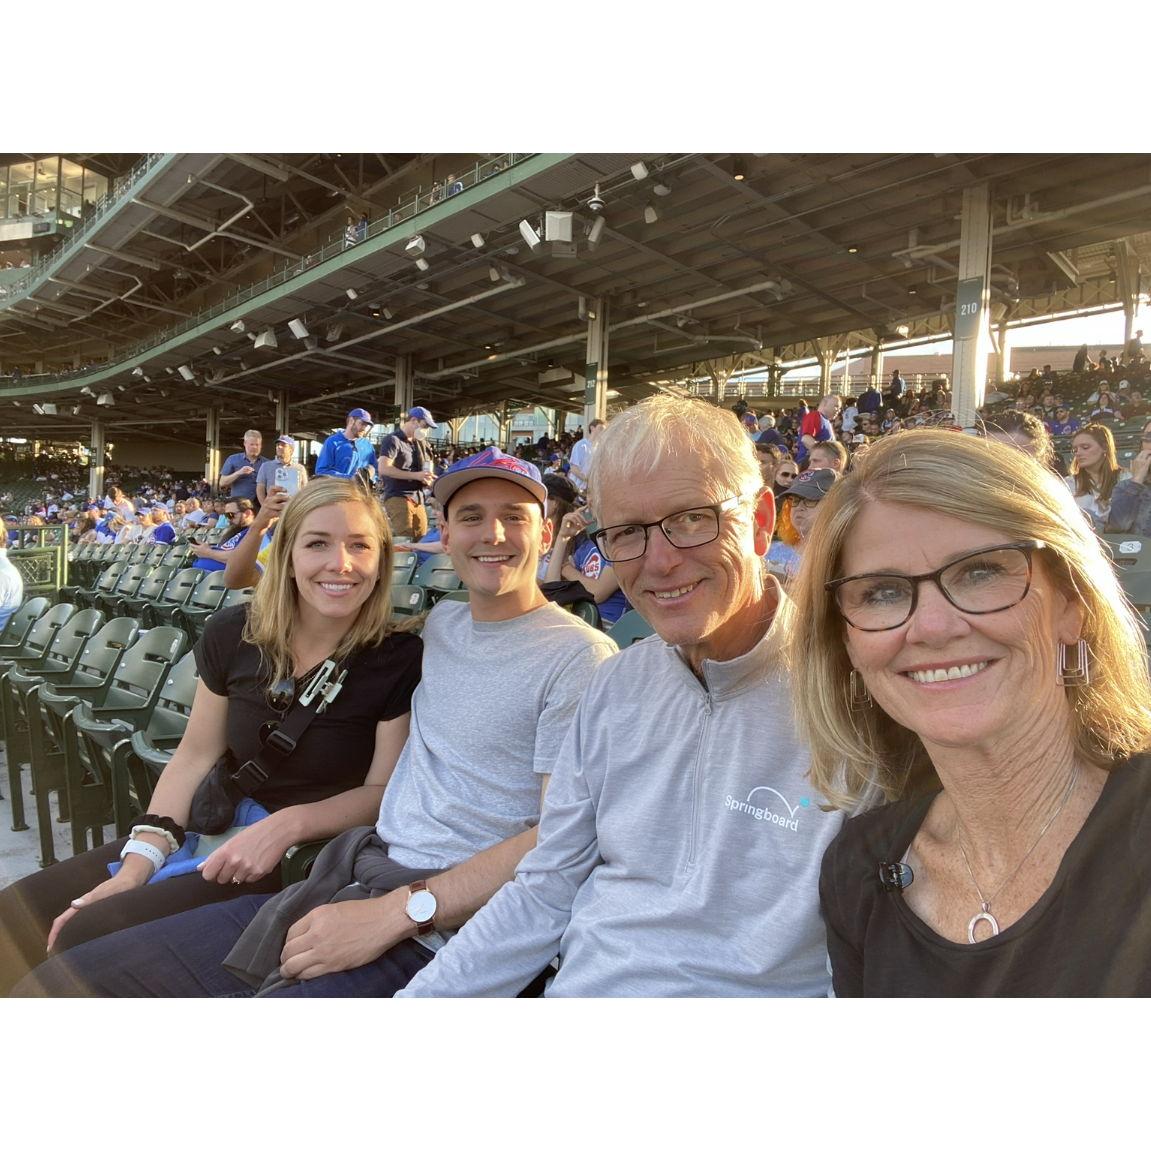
point(421, 906)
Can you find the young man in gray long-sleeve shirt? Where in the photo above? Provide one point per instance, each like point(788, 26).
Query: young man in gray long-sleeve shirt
point(680, 843)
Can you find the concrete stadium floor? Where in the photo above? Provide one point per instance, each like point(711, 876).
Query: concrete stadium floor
point(20, 850)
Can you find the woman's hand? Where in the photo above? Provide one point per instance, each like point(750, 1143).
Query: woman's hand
point(249, 855)
point(275, 500)
point(134, 873)
point(571, 526)
point(1140, 465)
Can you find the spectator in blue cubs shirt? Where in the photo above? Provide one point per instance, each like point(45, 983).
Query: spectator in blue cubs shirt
point(575, 557)
point(240, 514)
point(348, 453)
point(162, 532)
point(1064, 423)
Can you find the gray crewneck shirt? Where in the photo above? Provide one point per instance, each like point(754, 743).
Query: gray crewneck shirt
point(489, 715)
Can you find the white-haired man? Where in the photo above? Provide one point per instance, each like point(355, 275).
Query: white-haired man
point(680, 843)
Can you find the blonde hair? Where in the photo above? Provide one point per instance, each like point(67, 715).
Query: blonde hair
point(665, 429)
point(860, 755)
point(273, 617)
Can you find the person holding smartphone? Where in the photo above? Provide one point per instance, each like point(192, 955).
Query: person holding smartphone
point(281, 472)
point(1131, 500)
point(575, 557)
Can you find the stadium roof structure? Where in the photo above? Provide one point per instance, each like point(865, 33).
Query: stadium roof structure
point(223, 280)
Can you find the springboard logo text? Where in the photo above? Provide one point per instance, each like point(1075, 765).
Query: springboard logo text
point(769, 806)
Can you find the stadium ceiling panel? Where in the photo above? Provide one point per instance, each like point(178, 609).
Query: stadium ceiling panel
point(701, 259)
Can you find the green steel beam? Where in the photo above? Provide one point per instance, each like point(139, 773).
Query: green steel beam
point(399, 233)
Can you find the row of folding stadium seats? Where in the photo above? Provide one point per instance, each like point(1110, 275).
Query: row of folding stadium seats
point(86, 561)
point(159, 594)
point(93, 707)
point(417, 587)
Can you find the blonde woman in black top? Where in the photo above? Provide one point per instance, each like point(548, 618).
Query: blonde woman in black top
point(969, 658)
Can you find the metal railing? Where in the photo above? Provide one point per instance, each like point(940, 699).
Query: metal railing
point(40, 554)
point(334, 245)
point(99, 209)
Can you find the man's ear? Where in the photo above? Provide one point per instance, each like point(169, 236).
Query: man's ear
point(764, 521)
point(546, 536)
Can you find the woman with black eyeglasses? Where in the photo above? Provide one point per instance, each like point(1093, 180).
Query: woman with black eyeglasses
point(968, 657)
point(322, 611)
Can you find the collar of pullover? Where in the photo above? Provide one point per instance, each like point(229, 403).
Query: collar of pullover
point(723, 679)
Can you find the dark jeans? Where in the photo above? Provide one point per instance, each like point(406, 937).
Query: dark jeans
point(29, 906)
point(181, 957)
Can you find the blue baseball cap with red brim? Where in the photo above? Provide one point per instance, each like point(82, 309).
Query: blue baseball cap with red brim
point(491, 463)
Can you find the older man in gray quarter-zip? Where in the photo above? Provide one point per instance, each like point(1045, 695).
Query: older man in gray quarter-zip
point(680, 843)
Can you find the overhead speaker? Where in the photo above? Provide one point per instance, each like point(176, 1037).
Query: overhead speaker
point(187, 372)
point(415, 246)
point(298, 329)
point(267, 339)
point(530, 235)
point(558, 226)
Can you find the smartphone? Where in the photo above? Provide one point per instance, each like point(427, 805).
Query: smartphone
point(288, 479)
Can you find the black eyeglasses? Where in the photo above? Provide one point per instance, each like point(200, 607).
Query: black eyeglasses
point(691, 528)
point(979, 583)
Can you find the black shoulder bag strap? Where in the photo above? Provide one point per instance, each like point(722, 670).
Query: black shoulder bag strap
point(321, 691)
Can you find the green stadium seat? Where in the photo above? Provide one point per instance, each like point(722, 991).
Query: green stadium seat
point(59, 660)
point(407, 599)
point(134, 764)
point(403, 567)
point(129, 696)
point(630, 628)
point(176, 593)
point(206, 599)
point(93, 671)
point(20, 624)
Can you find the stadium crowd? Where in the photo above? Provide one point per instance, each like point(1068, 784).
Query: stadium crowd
point(891, 724)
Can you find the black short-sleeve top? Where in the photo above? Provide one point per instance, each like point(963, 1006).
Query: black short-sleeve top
point(336, 751)
point(1089, 934)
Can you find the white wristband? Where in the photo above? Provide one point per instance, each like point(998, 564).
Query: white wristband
point(140, 828)
point(153, 854)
